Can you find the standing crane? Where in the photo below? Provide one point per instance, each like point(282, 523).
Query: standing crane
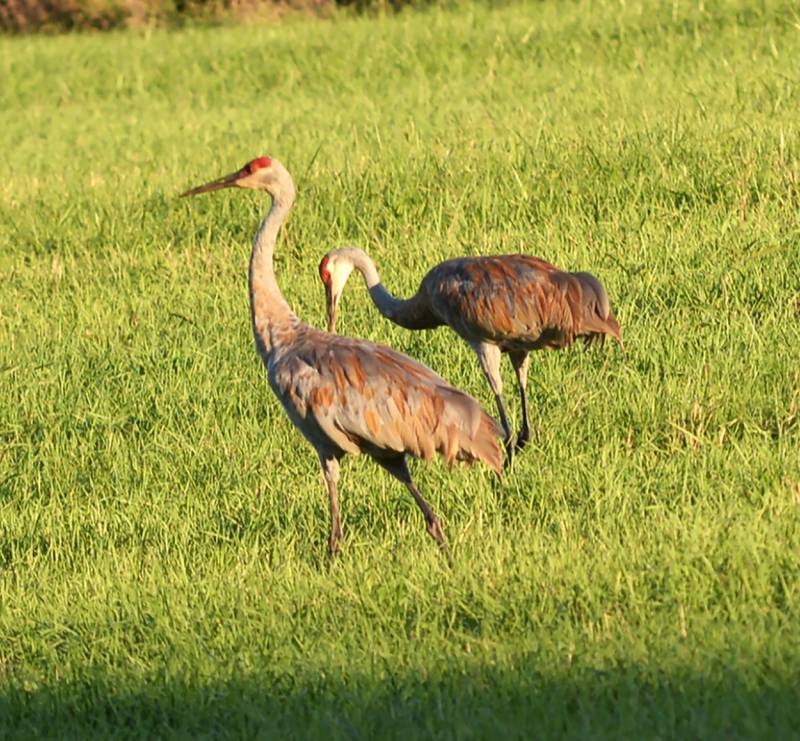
point(347, 395)
point(505, 304)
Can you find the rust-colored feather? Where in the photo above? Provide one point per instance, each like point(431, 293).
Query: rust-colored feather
point(596, 318)
point(500, 304)
point(515, 301)
point(389, 404)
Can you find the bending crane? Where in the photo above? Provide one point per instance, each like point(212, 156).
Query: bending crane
point(347, 395)
point(505, 304)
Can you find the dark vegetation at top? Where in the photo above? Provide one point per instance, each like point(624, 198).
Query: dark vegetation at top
point(24, 16)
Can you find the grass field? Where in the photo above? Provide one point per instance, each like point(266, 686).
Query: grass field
point(162, 525)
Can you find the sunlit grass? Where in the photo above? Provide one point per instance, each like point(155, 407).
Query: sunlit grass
point(163, 526)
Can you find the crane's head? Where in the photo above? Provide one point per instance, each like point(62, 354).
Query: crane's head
point(334, 270)
point(262, 173)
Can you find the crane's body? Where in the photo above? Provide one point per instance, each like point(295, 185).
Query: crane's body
point(508, 304)
point(347, 395)
point(353, 396)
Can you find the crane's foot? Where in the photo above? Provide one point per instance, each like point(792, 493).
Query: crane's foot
point(436, 532)
point(334, 542)
point(523, 438)
point(509, 446)
point(432, 523)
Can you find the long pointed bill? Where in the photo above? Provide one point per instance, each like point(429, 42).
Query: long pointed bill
point(229, 181)
point(331, 302)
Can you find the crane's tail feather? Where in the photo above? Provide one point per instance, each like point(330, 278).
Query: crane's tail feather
point(595, 328)
point(597, 319)
point(484, 446)
point(468, 433)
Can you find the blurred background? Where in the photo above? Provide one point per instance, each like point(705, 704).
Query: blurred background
point(67, 15)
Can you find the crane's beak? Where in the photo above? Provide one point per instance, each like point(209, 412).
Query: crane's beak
point(332, 303)
point(229, 181)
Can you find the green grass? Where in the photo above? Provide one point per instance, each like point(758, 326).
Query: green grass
point(162, 525)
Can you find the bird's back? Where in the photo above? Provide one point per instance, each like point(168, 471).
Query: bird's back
point(356, 396)
point(510, 300)
point(518, 302)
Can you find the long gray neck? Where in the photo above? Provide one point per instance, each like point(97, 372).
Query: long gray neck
point(273, 320)
point(390, 306)
point(411, 313)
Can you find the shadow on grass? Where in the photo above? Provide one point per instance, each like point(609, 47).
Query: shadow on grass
point(471, 704)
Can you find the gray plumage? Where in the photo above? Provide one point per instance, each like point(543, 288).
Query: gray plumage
point(347, 395)
point(499, 304)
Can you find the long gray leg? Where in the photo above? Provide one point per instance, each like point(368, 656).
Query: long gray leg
point(520, 361)
point(330, 471)
point(489, 357)
point(399, 469)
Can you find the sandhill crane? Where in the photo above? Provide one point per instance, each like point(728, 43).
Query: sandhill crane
point(347, 395)
point(505, 304)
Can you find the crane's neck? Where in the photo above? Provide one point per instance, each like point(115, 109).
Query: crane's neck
point(273, 321)
point(411, 313)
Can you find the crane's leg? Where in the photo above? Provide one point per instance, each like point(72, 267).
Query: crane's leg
point(489, 357)
point(520, 361)
point(330, 470)
point(399, 469)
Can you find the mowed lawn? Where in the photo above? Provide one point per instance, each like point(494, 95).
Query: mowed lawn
point(163, 527)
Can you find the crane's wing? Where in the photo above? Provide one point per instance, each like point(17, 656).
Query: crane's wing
point(362, 397)
point(504, 299)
